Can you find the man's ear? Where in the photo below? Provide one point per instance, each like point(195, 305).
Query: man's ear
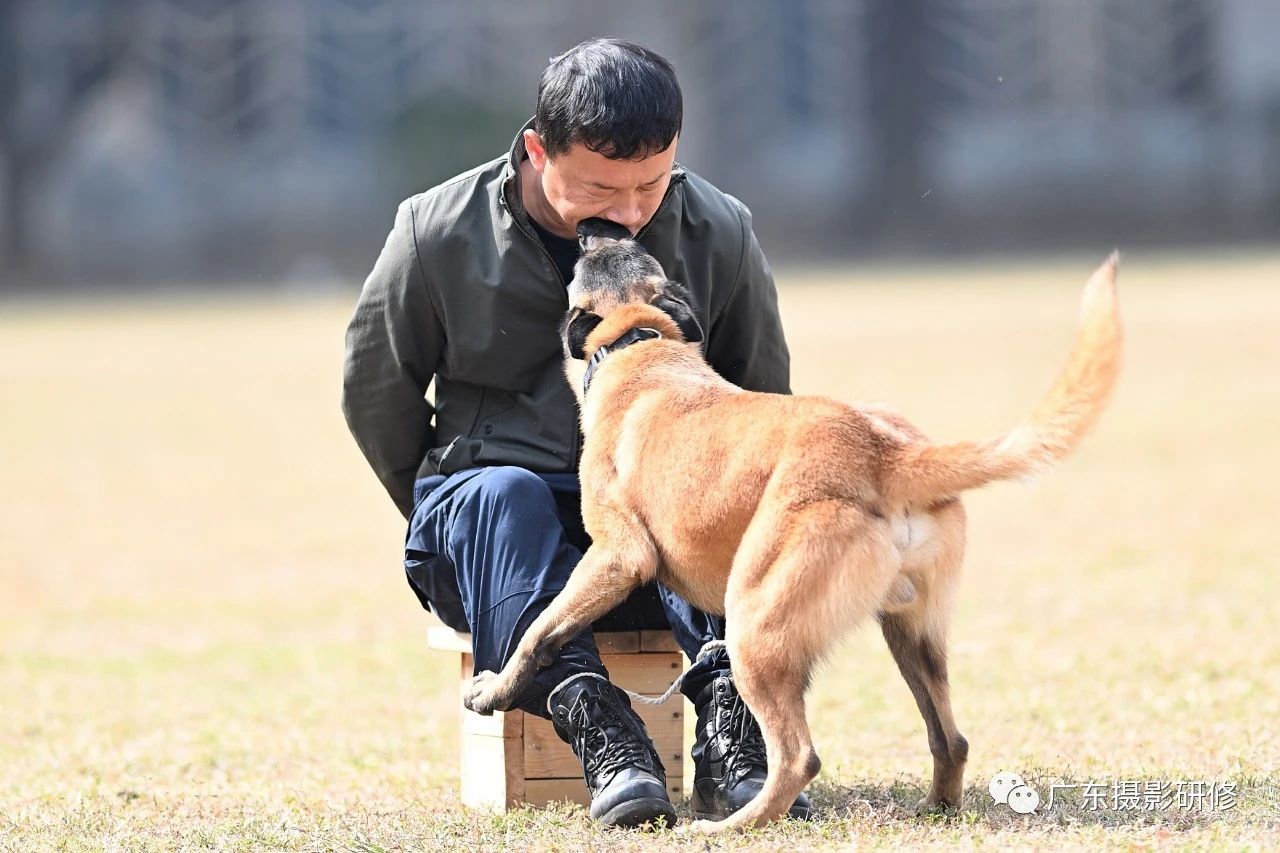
point(533, 147)
point(577, 326)
point(677, 303)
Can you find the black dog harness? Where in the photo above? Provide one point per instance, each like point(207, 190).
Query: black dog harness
point(634, 336)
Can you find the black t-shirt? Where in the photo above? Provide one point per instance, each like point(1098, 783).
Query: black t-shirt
point(562, 250)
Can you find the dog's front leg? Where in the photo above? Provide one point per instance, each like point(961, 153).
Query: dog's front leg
point(601, 581)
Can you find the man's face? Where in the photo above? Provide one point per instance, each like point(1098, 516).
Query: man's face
point(580, 184)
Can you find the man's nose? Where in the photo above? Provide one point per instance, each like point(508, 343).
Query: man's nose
point(628, 216)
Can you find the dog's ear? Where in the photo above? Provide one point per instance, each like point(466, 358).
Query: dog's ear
point(577, 326)
point(677, 303)
point(597, 228)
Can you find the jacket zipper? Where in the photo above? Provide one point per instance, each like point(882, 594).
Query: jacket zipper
point(445, 455)
point(662, 204)
point(563, 284)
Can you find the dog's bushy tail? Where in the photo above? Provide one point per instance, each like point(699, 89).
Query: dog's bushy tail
point(924, 473)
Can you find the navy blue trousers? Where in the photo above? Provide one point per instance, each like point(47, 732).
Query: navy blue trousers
point(489, 548)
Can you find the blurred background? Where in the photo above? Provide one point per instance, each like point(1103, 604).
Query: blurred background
point(152, 143)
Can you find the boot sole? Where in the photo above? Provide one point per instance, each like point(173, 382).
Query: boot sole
point(634, 813)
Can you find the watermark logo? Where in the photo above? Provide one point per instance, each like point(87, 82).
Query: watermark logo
point(1010, 789)
point(1126, 795)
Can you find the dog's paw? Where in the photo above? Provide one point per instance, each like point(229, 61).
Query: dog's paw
point(481, 693)
point(700, 827)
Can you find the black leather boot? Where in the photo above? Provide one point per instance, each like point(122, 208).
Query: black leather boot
point(621, 767)
point(729, 765)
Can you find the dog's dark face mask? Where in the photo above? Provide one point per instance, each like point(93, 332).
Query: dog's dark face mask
point(614, 270)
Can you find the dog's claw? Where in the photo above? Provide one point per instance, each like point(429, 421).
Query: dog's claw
point(478, 695)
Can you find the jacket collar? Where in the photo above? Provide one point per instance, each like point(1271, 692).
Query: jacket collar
point(517, 153)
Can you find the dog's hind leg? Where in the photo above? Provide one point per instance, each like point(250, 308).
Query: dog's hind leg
point(923, 663)
point(796, 586)
point(917, 638)
point(605, 576)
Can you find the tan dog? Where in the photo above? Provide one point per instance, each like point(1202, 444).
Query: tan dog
point(795, 517)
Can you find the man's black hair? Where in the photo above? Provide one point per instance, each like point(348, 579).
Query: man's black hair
point(615, 97)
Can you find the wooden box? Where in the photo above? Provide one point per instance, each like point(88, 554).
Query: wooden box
point(513, 758)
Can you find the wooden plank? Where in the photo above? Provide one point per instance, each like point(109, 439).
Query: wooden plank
point(617, 642)
point(658, 641)
point(446, 639)
point(647, 673)
point(508, 724)
point(548, 757)
point(539, 792)
point(443, 638)
point(492, 772)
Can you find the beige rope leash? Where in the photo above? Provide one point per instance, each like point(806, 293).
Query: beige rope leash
point(703, 653)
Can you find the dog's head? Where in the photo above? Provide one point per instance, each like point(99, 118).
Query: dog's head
point(613, 271)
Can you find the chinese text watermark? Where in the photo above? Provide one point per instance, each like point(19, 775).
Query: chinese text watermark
point(1125, 795)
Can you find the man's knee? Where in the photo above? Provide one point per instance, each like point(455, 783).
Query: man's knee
point(508, 486)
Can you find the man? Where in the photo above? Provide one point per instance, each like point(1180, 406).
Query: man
point(469, 291)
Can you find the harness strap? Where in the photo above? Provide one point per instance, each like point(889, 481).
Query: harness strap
point(633, 336)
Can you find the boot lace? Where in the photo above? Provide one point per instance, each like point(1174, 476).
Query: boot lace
point(744, 749)
point(606, 744)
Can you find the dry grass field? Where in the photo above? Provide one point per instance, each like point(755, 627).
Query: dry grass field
point(206, 641)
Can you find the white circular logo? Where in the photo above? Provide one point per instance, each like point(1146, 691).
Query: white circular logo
point(1002, 783)
point(1023, 799)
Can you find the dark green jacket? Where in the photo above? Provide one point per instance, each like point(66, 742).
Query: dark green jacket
point(464, 293)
